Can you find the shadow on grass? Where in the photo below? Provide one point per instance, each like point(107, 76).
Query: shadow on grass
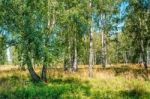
point(135, 94)
point(131, 94)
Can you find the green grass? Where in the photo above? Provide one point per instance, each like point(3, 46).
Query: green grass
point(105, 86)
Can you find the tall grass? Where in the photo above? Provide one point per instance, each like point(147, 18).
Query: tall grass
point(106, 84)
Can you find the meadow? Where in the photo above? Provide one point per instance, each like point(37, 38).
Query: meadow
point(109, 83)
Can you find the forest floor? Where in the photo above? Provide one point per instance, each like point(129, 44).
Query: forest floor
point(117, 82)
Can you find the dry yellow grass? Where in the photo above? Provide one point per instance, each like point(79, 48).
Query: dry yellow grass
point(128, 71)
point(109, 83)
point(8, 67)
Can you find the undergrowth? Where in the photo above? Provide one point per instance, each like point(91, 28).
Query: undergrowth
point(17, 86)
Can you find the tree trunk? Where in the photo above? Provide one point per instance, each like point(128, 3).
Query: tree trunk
point(104, 50)
point(65, 64)
point(44, 72)
point(67, 57)
point(143, 50)
point(74, 65)
point(91, 48)
point(104, 46)
point(9, 55)
point(91, 55)
point(125, 57)
point(33, 74)
point(144, 55)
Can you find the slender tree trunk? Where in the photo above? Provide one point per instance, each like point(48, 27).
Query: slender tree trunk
point(65, 64)
point(43, 75)
point(125, 57)
point(104, 44)
point(44, 71)
point(104, 50)
point(143, 50)
point(91, 55)
point(144, 55)
point(91, 47)
point(9, 55)
point(33, 74)
point(67, 57)
point(74, 65)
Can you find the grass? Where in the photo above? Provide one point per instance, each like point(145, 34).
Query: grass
point(110, 83)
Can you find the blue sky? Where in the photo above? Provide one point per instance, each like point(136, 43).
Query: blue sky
point(122, 13)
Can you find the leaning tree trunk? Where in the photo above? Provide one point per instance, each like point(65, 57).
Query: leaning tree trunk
point(33, 74)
